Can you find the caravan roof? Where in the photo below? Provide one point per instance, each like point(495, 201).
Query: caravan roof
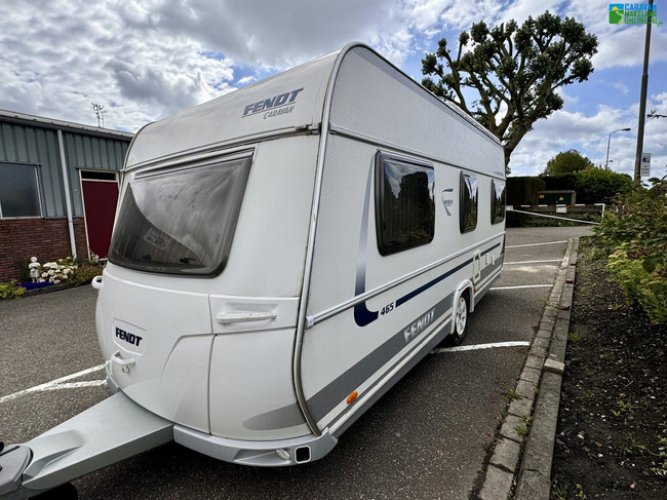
point(354, 90)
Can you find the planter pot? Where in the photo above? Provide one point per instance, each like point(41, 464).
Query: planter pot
point(34, 286)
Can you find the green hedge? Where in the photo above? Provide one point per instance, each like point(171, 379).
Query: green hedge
point(596, 185)
point(637, 241)
point(648, 289)
point(563, 182)
point(523, 190)
point(592, 185)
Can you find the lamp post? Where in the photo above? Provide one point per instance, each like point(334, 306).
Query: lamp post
point(627, 129)
point(642, 97)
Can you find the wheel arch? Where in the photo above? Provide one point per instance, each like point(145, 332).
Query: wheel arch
point(466, 289)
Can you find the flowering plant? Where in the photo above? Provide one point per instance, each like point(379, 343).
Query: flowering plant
point(59, 271)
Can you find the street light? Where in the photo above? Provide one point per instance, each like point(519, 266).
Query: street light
point(606, 162)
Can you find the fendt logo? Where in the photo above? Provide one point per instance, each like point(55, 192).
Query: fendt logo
point(274, 106)
point(128, 337)
point(418, 326)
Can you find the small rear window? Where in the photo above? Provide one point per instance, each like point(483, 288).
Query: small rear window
point(468, 216)
point(180, 220)
point(497, 201)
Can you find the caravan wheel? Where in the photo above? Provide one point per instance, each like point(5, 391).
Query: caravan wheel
point(460, 320)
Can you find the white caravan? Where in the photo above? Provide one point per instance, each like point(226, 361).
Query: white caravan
point(281, 256)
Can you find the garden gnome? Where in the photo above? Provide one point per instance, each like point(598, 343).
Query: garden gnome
point(34, 269)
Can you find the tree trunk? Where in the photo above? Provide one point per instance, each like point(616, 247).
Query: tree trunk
point(508, 152)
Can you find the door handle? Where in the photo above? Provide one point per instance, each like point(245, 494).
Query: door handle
point(227, 318)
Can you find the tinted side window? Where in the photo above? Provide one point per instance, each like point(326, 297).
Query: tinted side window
point(404, 204)
point(19, 194)
point(497, 201)
point(468, 212)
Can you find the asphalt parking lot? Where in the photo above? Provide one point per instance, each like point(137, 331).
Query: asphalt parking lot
point(427, 438)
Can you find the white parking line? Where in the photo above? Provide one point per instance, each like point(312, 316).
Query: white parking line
point(481, 346)
point(533, 262)
point(519, 287)
point(58, 384)
point(76, 385)
point(537, 244)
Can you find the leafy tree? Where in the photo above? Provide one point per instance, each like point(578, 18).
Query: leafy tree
point(567, 162)
point(514, 70)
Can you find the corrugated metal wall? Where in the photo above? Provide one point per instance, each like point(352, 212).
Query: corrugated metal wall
point(39, 146)
point(90, 153)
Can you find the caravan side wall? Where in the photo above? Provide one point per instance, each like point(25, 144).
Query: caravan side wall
point(372, 314)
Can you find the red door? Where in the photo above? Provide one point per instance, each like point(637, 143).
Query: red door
point(99, 202)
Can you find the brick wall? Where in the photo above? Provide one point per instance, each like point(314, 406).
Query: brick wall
point(46, 239)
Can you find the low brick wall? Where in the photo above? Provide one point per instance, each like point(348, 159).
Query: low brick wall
point(46, 239)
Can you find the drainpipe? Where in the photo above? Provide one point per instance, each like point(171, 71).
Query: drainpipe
point(68, 198)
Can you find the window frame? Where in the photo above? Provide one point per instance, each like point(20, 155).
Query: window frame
point(223, 257)
point(494, 201)
point(380, 159)
point(463, 188)
point(38, 188)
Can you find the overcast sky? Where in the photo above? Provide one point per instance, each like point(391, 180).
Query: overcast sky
point(146, 59)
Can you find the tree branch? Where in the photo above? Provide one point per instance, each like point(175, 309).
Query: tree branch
point(521, 67)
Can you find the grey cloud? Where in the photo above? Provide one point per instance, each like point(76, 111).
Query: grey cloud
point(58, 57)
point(148, 56)
point(151, 86)
point(276, 34)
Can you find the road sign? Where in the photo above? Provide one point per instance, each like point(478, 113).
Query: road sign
point(645, 165)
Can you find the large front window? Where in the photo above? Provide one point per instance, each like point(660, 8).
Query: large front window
point(180, 220)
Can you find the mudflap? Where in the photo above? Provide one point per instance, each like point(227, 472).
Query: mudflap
point(112, 430)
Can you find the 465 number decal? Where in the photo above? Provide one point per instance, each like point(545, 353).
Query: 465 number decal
point(387, 309)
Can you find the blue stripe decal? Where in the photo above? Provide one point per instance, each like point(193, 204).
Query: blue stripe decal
point(489, 249)
point(428, 285)
point(363, 316)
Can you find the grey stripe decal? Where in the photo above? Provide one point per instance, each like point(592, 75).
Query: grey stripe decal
point(488, 270)
point(280, 418)
point(337, 390)
point(360, 280)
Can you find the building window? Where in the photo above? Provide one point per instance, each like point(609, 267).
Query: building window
point(404, 204)
point(468, 220)
point(19, 191)
point(497, 201)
